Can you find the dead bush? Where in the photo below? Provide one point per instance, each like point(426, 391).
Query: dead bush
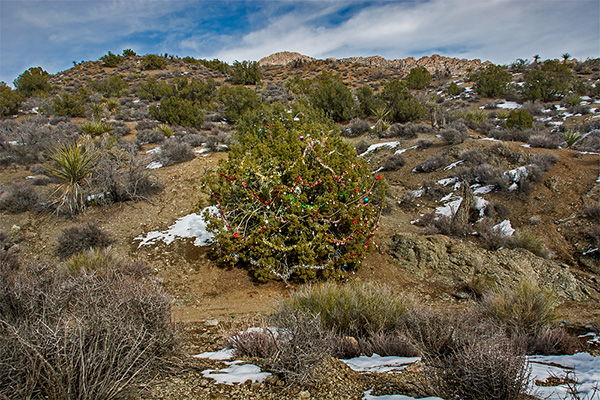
point(543, 140)
point(387, 344)
point(147, 136)
point(432, 164)
point(408, 130)
point(88, 336)
point(79, 238)
point(194, 139)
point(174, 151)
point(393, 162)
point(255, 342)
point(453, 136)
point(484, 174)
point(550, 341)
point(356, 127)
point(424, 144)
point(19, 197)
point(543, 160)
point(493, 239)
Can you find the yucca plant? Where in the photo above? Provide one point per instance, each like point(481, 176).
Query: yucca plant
point(166, 130)
point(381, 114)
point(72, 164)
point(112, 104)
point(571, 138)
point(97, 110)
point(96, 128)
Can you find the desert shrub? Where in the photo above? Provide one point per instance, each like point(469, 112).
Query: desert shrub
point(550, 82)
point(214, 64)
point(519, 118)
point(237, 100)
point(254, 178)
point(484, 174)
point(174, 151)
point(356, 127)
point(355, 309)
point(514, 135)
point(451, 226)
point(525, 308)
point(432, 163)
point(96, 128)
point(129, 53)
point(165, 129)
point(492, 239)
point(152, 61)
point(79, 238)
point(453, 136)
point(403, 106)
point(34, 81)
point(408, 130)
point(71, 105)
point(152, 89)
point(199, 92)
point(84, 336)
point(474, 118)
point(418, 78)
point(543, 140)
point(361, 147)
point(550, 341)
point(475, 156)
point(592, 212)
point(533, 107)
point(10, 100)
point(113, 86)
point(194, 139)
point(330, 94)
point(393, 162)
point(367, 101)
point(491, 81)
point(178, 111)
point(111, 60)
point(245, 73)
point(19, 197)
point(453, 89)
point(72, 165)
point(275, 92)
point(424, 144)
point(146, 136)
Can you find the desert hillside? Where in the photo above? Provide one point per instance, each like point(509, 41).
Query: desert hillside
point(492, 176)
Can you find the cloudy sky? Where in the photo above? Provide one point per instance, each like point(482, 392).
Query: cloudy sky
point(54, 33)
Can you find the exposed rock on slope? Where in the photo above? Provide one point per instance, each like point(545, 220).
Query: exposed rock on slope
point(454, 263)
point(283, 58)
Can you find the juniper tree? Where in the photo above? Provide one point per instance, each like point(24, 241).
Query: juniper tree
point(293, 199)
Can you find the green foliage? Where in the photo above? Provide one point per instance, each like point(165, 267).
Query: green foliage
point(152, 89)
point(129, 53)
point(237, 100)
point(165, 129)
point(214, 64)
point(245, 73)
point(10, 101)
point(355, 309)
point(293, 199)
point(298, 85)
point(71, 105)
point(113, 86)
point(571, 138)
point(418, 78)
point(72, 165)
point(200, 92)
point(520, 119)
point(550, 82)
point(333, 97)
point(453, 89)
point(111, 60)
point(491, 81)
point(177, 111)
point(96, 128)
point(403, 106)
point(152, 61)
point(34, 81)
point(367, 101)
point(478, 117)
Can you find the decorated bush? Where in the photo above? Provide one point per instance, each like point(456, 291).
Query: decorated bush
point(292, 200)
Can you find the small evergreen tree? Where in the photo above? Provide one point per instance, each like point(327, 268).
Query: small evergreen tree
point(33, 81)
point(292, 200)
point(402, 106)
point(491, 81)
point(246, 73)
point(152, 61)
point(418, 78)
point(549, 83)
point(237, 100)
point(10, 101)
point(331, 95)
point(178, 111)
point(111, 60)
point(520, 119)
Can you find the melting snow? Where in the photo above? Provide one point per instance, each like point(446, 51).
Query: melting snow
point(586, 371)
point(367, 396)
point(236, 374)
point(190, 226)
point(454, 164)
point(447, 181)
point(376, 363)
point(154, 165)
point(483, 189)
point(504, 227)
point(374, 147)
point(223, 354)
point(450, 208)
point(509, 105)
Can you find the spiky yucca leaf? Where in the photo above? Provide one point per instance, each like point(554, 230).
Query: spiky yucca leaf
point(96, 128)
point(72, 164)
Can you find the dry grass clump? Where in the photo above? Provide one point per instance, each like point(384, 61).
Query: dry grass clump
point(393, 162)
point(19, 197)
point(174, 151)
point(84, 336)
point(356, 127)
point(529, 241)
point(543, 140)
point(432, 164)
point(79, 238)
point(453, 136)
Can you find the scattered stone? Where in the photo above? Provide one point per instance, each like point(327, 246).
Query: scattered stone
point(211, 322)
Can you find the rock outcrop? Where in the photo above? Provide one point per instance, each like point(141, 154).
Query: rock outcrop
point(283, 58)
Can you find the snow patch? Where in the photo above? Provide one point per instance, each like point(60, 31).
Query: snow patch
point(236, 374)
point(374, 147)
point(367, 396)
point(154, 165)
point(509, 105)
point(449, 209)
point(377, 363)
point(223, 354)
point(504, 227)
point(454, 164)
point(484, 189)
point(190, 226)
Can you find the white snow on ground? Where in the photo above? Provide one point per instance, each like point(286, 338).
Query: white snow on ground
point(374, 147)
point(509, 105)
point(236, 373)
point(454, 164)
point(154, 150)
point(154, 165)
point(367, 396)
point(377, 363)
point(223, 354)
point(504, 227)
point(480, 204)
point(490, 139)
point(419, 192)
point(585, 368)
point(202, 150)
point(449, 209)
point(190, 226)
point(483, 189)
point(447, 181)
point(403, 150)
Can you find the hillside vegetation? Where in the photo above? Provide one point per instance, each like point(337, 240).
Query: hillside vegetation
point(455, 184)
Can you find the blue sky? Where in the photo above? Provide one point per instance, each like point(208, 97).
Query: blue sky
point(52, 33)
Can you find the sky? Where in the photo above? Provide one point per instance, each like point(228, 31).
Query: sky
point(53, 34)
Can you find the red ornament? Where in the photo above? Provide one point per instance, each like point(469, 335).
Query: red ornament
point(356, 190)
point(355, 221)
point(378, 176)
point(235, 235)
